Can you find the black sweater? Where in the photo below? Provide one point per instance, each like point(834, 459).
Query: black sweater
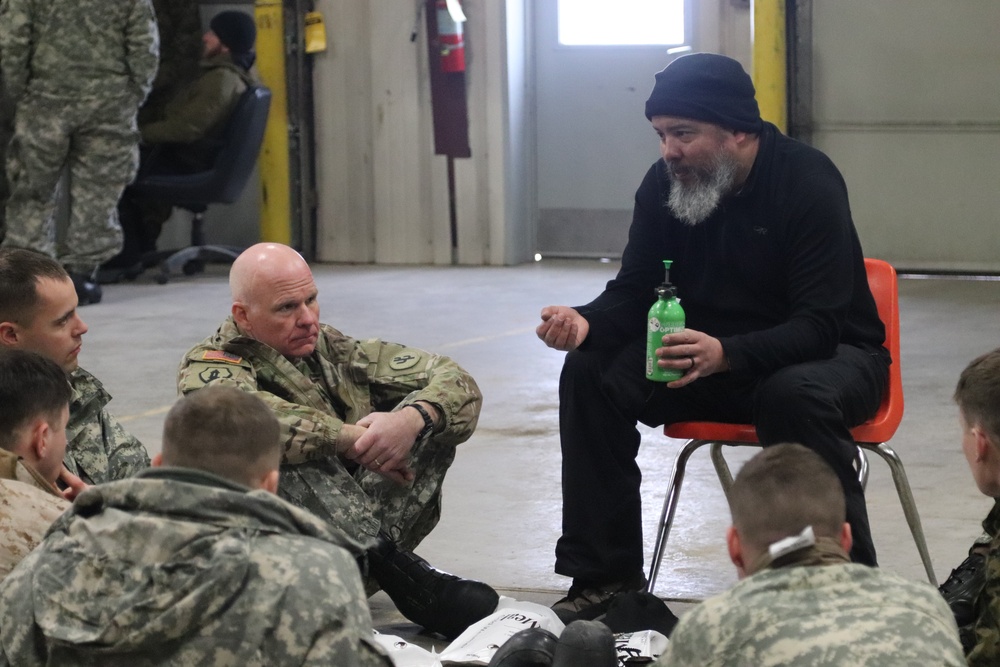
point(776, 273)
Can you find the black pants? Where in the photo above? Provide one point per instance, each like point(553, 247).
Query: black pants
point(603, 394)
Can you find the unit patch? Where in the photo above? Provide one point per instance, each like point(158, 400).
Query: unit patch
point(212, 374)
point(408, 359)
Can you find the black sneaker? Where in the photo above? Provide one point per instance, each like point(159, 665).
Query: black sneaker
point(963, 585)
point(586, 601)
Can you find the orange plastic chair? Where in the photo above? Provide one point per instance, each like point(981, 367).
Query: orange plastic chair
point(871, 436)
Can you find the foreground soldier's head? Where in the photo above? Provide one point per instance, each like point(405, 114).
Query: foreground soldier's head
point(226, 432)
point(779, 493)
point(274, 299)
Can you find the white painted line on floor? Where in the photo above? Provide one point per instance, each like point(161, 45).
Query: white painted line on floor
point(147, 413)
point(485, 339)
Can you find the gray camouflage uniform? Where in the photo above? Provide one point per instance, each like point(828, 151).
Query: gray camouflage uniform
point(98, 448)
point(77, 71)
point(6, 132)
point(820, 616)
point(341, 382)
point(179, 567)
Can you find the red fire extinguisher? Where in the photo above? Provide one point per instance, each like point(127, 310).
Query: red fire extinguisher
point(450, 39)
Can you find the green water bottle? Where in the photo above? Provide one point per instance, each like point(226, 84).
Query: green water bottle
point(665, 317)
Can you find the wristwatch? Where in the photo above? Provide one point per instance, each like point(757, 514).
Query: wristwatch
point(428, 422)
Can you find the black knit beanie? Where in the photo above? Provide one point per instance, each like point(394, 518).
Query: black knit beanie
point(706, 87)
point(236, 30)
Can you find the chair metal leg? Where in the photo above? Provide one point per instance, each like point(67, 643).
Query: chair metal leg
point(721, 467)
point(906, 500)
point(670, 507)
point(861, 465)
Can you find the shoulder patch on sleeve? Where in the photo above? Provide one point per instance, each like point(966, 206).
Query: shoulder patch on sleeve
point(405, 359)
point(219, 355)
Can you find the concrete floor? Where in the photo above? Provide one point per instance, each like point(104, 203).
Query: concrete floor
point(501, 507)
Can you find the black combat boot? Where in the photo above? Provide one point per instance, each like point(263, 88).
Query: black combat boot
point(528, 648)
point(437, 601)
point(87, 289)
point(964, 585)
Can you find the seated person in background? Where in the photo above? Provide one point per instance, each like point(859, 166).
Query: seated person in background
point(800, 600)
point(179, 24)
point(38, 313)
point(978, 399)
point(184, 137)
point(368, 428)
point(34, 393)
point(194, 562)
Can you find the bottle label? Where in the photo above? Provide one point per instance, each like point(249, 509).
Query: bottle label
point(672, 328)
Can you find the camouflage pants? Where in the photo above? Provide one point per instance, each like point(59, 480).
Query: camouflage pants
point(362, 503)
point(6, 132)
point(96, 141)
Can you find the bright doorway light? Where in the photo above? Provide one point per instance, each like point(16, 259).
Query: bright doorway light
point(621, 23)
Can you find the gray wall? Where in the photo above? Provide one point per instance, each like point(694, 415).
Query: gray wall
point(907, 103)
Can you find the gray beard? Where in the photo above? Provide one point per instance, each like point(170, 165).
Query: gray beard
point(693, 203)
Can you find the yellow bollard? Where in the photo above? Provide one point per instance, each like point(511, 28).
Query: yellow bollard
point(275, 206)
point(770, 61)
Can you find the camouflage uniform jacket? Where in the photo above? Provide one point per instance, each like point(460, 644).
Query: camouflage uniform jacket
point(28, 506)
point(821, 616)
point(358, 377)
point(78, 48)
point(179, 567)
point(987, 625)
point(342, 381)
point(99, 449)
point(200, 109)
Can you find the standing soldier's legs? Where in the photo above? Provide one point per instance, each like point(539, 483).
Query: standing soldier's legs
point(103, 160)
point(35, 159)
point(6, 133)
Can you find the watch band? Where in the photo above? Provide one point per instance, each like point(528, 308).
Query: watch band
point(428, 422)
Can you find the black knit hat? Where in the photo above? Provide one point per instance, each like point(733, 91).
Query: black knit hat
point(236, 30)
point(706, 87)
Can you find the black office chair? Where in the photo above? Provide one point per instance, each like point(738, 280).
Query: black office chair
point(222, 184)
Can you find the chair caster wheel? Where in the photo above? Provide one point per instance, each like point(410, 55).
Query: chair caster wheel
point(162, 279)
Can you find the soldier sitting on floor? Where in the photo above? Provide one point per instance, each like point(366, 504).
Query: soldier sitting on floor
point(34, 393)
point(800, 600)
point(368, 427)
point(38, 313)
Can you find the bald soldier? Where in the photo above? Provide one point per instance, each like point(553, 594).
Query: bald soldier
point(800, 600)
point(368, 427)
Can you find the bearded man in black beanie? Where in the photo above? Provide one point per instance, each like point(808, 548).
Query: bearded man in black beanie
point(183, 138)
point(782, 329)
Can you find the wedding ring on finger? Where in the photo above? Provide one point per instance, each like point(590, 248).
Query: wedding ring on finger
point(691, 359)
